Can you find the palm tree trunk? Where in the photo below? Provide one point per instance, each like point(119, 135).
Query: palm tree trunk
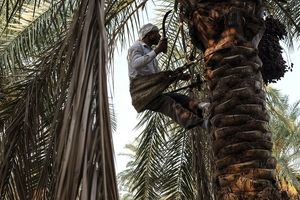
point(229, 33)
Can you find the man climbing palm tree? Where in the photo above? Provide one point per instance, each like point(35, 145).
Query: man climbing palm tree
point(143, 68)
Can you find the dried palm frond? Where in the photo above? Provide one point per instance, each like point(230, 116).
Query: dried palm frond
point(27, 114)
point(63, 97)
point(84, 160)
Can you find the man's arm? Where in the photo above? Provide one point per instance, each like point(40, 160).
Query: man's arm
point(137, 59)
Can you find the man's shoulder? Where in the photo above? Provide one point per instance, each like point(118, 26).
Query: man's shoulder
point(136, 44)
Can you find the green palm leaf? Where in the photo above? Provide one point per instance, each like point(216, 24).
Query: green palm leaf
point(145, 182)
point(286, 133)
point(177, 176)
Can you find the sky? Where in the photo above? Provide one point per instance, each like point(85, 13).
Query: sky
point(290, 83)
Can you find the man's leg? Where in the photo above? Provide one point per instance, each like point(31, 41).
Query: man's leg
point(185, 101)
point(175, 110)
point(194, 105)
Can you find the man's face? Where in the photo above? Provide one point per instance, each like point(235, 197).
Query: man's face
point(154, 37)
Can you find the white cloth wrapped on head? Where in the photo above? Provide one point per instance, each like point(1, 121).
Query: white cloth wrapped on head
point(147, 28)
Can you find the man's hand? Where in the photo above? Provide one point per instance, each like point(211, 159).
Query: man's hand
point(162, 46)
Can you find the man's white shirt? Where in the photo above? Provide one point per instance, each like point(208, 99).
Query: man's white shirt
point(141, 60)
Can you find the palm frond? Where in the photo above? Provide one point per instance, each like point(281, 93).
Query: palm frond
point(145, 182)
point(203, 160)
point(177, 174)
point(288, 13)
point(9, 8)
point(46, 105)
point(121, 19)
point(180, 47)
point(35, 33)
point(124, 177)
point(285, 127)
point(84, 152)
point(27, 134)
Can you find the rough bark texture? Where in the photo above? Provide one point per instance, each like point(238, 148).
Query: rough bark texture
point(229, 33)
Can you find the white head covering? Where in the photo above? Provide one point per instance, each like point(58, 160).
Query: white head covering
point(146, 29)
